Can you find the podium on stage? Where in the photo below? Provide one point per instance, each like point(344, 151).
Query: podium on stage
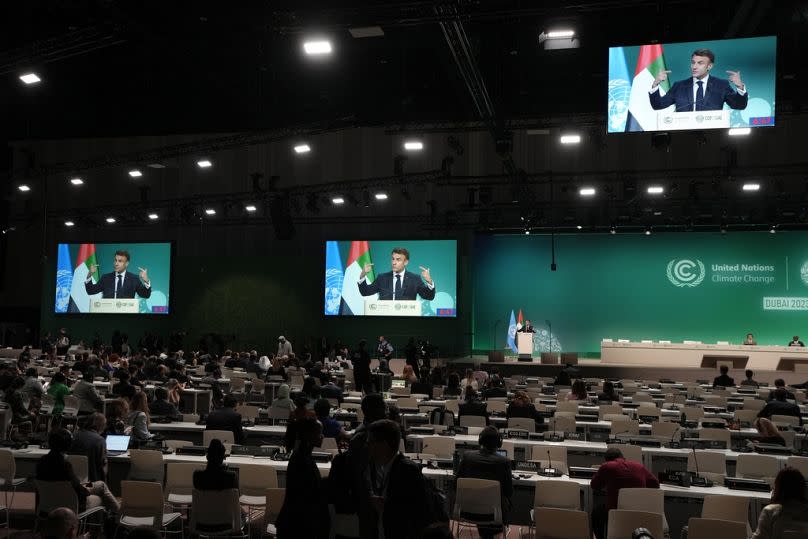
point(693, 120)
point(119, 306)
point(524, 344)
point(392, 307)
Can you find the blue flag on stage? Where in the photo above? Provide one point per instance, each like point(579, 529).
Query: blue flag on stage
point(512, 333)
point(619, 91)
point(334, 276)
point(64, 279)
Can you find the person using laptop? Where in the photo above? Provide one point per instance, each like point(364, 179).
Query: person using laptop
point(53, 466)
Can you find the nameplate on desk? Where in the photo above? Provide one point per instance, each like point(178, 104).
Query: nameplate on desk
point(517, 433)
point(528, 466)
point(772, 449)
point(648, 418)
point(422, 430)
point(700, 443)
point(263, 421)
point(673, 477)
point(743, 483)
point(581, 472)
point(707, 424)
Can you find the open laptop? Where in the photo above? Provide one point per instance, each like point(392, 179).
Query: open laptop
point(117, 445)
point(398, 383)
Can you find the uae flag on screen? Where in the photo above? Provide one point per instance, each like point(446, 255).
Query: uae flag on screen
point(79, 300)
point(352, 301)
point(641, 117)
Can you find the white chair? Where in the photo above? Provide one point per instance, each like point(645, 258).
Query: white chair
point(225, 436)
point(477, 502)
point(567, 406)
point(710, 528)
point(8, 471)
point(555, 494)
point(142, 505)
point(651, 500)
point(275, 498)
point(253, 482)
point(800, 463)
point(711, 465)
point(524, 423)
point(174, 444)
point(622, 523)
point(146, 465)
point(665, 430)
point(440, 446)
point(722, 435)
point(631, 428)
point(562, 424)
point(746, 415)
point(53, 494)
point(546, 455)
point(497, 407)
point(735, 508)
point(180, 482)
point(763, 467)
point(786, 419)
point(562, 523)
point(248, 411)
point(472, 421)
point(216, 513)
point(609, 409)
point(190, 418)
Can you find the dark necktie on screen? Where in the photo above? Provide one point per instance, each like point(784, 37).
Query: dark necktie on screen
point(118, 285)
point(397, 288)
point(700, 95)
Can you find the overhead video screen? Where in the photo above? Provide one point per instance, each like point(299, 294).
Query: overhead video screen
point(695, 85)
point(391, 278)
point(113, 278)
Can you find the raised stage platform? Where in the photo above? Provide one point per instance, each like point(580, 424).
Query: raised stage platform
point(596, 369)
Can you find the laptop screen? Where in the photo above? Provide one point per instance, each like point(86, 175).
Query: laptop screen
point(399, 383)
point(117, 443)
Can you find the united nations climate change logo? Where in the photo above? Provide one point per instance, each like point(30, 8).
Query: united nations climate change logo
point(804, 272)
point(686, 272)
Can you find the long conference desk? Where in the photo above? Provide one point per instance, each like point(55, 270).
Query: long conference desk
point(702, 355)
point(680, 503)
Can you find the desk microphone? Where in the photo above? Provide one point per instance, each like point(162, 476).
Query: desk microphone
point(550, 471)
point(699, 481)
point(675, 432)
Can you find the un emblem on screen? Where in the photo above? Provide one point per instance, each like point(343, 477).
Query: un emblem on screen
point(686, 272)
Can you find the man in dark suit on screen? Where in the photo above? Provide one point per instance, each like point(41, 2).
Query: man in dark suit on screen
point(120, 283)
point(701, 91)
point(399, 283)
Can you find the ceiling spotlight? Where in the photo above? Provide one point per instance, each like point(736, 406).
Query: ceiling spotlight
point(317, 48)
point(153, 216)
point(381, 196)
point(204, 163)
point(23, 187)
point(739, 131)
point(76, 181)
point(572, 138)
point(210, 211)
point(250, 208)
point(612, 230)
point(773, 229)
point(302, 148)
point(586, 191)
point(338, 200)
point(30, 78)
point(656, 190)
point(69, 223)
point(110, 220)
point(527, 232)
point(413, 145)
point(723, 229)
point(579, 227)
point(135, 173)
point(751, 187)
point(648, 231)
point(560, 34)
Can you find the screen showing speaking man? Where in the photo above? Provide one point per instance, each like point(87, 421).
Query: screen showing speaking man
point(696, 85)
point(391, 278)
point(125, 278)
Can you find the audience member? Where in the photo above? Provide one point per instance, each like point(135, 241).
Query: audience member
point(61, 523)
point(768, 432)
point(58, 389)
point(89, 442)
point(361, 365)
point(452, 388)
point(227, 418)
point(305, 510)
point(284, 348)
point(522, 406)
point(331, 390)
point(283, 400)
point(398, 488)
point(608, 394)
point(616, 473)
point(749, 380)
point(215, 476)
point(485, 463)
point(331, 427)
point(160, 406)
point(495, 388)
point(123, 388)
point(89, 399)
point(779, 383)
point(723, 380)
point(139, 418)
point(787, 514)
point(780, 406)
point(53, 466)
point(409, 375)
point(472, 405)
point(578, 391)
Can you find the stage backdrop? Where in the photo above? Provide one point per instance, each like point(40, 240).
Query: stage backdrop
point(689, 286)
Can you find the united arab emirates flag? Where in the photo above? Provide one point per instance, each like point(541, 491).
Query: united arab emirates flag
point(641, 117)
point(79, 300)
point(352, 301)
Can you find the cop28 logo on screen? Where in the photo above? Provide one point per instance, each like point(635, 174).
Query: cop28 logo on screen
point(686, 272)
